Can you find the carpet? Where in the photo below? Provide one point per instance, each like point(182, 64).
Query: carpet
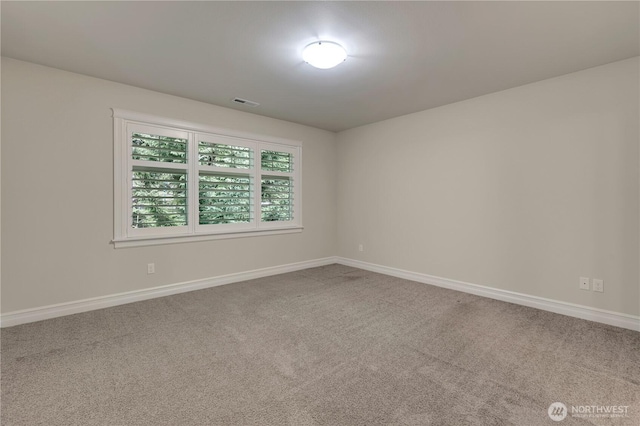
point(332, 345)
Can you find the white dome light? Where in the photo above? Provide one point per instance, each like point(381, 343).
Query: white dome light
point(324, 54)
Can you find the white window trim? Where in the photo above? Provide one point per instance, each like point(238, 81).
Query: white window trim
point(123, 120)
point(235, 227)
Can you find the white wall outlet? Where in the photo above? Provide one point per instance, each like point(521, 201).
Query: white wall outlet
point(360, 247)
point(598, 285)
point(584, 283)
point(151, 268)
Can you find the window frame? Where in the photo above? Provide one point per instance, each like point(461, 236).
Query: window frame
point(125, 123)
point(226, 140)
point(261, 173)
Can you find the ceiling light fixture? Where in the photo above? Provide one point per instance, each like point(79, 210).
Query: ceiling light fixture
point(324, 54)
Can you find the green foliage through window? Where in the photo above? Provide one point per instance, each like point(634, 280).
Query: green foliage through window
point(224, 199)
point(184, 182)
point(164, 149)
point(277, 199)
point(219, 155)
point(159, 198)
point(274, 161)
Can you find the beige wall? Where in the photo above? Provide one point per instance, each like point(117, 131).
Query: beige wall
point(524, 190)
point(57, 192)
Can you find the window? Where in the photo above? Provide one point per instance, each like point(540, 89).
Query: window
point(178, 181)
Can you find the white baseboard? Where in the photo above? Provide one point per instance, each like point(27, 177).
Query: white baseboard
point(617, 319)
point(61, 309)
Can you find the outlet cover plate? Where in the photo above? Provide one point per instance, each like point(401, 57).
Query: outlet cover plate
point(584, 283)
point(598, 285)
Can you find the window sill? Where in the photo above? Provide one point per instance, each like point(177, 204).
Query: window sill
point(176, 239)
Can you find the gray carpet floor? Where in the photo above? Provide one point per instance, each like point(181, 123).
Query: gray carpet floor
point(325, 346)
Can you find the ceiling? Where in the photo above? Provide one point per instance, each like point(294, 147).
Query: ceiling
point(403, 56)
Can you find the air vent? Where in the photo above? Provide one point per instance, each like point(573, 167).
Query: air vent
point(246, 102)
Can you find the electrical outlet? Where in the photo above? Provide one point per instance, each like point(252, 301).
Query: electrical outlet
point(584, 283)
point(360, 247)
point(598, 285)
point(151, 268)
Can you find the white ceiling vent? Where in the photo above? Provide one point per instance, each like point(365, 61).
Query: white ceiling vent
point(245, 102)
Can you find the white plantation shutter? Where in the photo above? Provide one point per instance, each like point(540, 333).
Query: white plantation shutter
point(164, 149)
point(277, 198)
point(158, 198)
point(276, 161)
point(225, 199)
point(159, 180)
point(226, 183)
point(222, 155)
point(175, 182)
point(277, 185)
